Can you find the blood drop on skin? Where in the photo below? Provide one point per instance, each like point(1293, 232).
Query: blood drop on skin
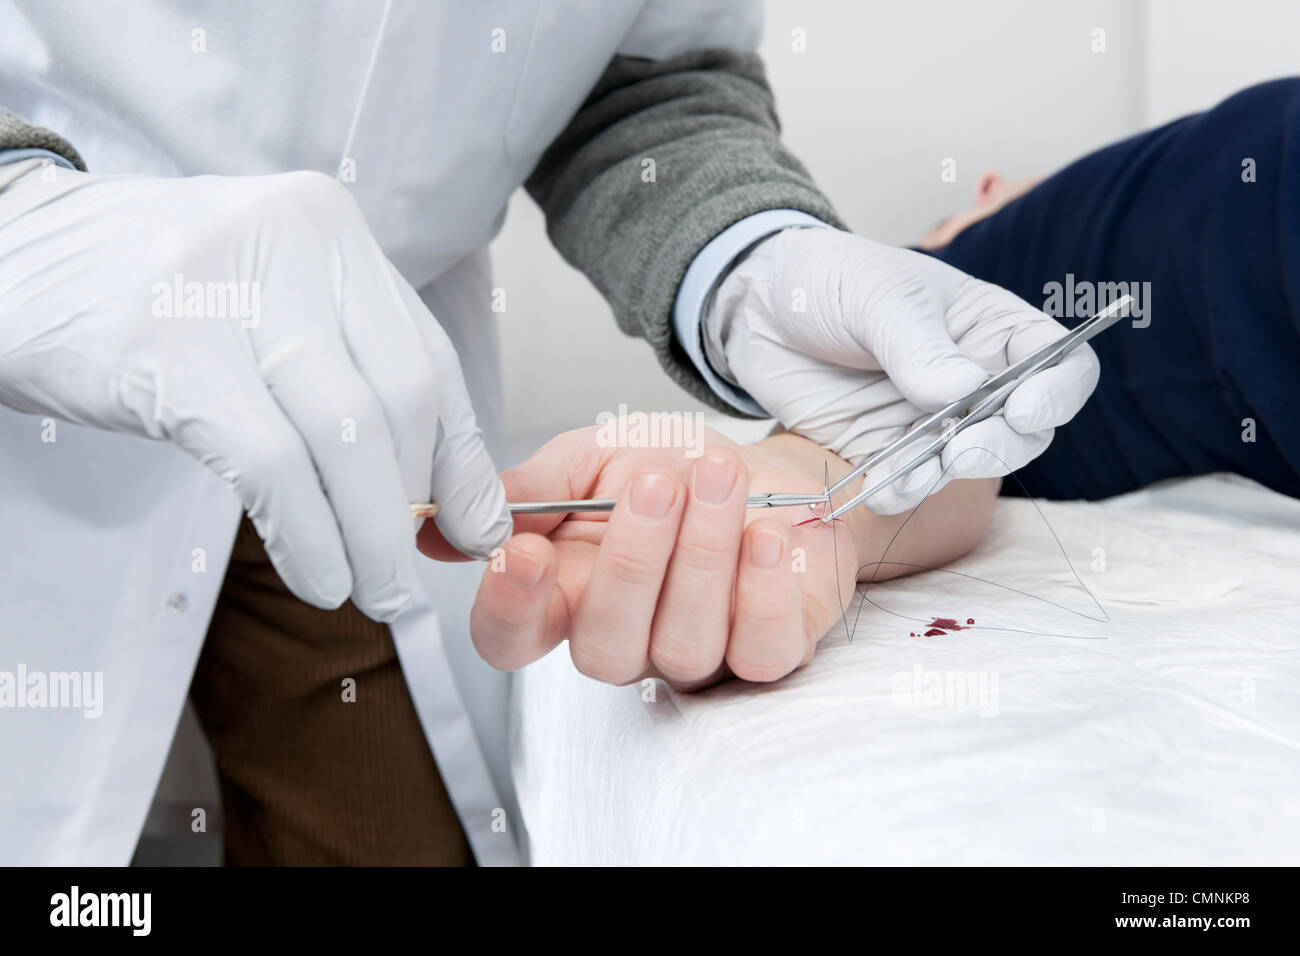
point(800, 524)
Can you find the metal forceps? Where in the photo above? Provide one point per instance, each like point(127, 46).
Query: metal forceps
point(771, 499)
point(984, 402)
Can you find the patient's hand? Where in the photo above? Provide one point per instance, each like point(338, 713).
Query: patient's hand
point(680, 580)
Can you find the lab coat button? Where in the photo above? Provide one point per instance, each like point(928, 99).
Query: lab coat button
point(176, 603)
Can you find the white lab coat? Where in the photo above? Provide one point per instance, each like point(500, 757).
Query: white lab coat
point(113, 548)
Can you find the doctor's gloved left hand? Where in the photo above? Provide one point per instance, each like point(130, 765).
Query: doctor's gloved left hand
point(255, 323)
point(850, 342)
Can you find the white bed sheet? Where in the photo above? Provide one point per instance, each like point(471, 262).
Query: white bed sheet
point(1168, 735)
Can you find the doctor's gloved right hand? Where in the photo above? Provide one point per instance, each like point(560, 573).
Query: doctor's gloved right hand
point(254, 322)
point(850, 342)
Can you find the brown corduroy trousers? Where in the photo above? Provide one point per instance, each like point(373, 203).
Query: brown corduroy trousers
point(307, 776)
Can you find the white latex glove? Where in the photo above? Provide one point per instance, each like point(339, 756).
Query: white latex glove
point(328, 407)
point(849, 342)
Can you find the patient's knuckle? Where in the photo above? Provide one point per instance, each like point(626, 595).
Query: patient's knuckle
point(632, 570)
point(765, 610)
point(683, 658)
point(598, 664)
point(703, 552)
point(765, 666)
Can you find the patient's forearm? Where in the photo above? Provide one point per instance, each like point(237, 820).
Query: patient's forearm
point(947, 525)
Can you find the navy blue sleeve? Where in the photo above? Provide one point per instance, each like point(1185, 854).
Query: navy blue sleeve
point(1200, 218)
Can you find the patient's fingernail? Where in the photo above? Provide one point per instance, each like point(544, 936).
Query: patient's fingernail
point(765, 549)
point(714, 479)
point(522, 569)
point(652, 496)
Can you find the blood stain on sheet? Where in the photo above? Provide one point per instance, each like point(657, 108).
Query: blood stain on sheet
point(941, 626)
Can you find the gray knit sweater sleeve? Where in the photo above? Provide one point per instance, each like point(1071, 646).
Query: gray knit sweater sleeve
point(16, 133)
point(708, 122)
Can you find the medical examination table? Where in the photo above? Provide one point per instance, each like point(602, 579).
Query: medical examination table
point(1165, 730)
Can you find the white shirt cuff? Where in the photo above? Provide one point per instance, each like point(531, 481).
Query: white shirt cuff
point(17, 155)
point(703, 276)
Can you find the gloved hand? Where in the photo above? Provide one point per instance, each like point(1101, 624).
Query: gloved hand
point(849, 342)
point(296, 363)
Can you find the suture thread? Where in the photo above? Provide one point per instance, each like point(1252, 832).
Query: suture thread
point(863, 586)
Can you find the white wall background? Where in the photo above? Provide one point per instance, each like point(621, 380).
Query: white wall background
point(1200, 51)
point(884, 92)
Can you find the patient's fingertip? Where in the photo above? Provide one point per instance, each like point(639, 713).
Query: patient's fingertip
point(525, 561)
point(432, 544)
point(508, 622)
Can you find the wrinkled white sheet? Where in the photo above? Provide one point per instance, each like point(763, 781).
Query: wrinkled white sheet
point(1170, 735)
